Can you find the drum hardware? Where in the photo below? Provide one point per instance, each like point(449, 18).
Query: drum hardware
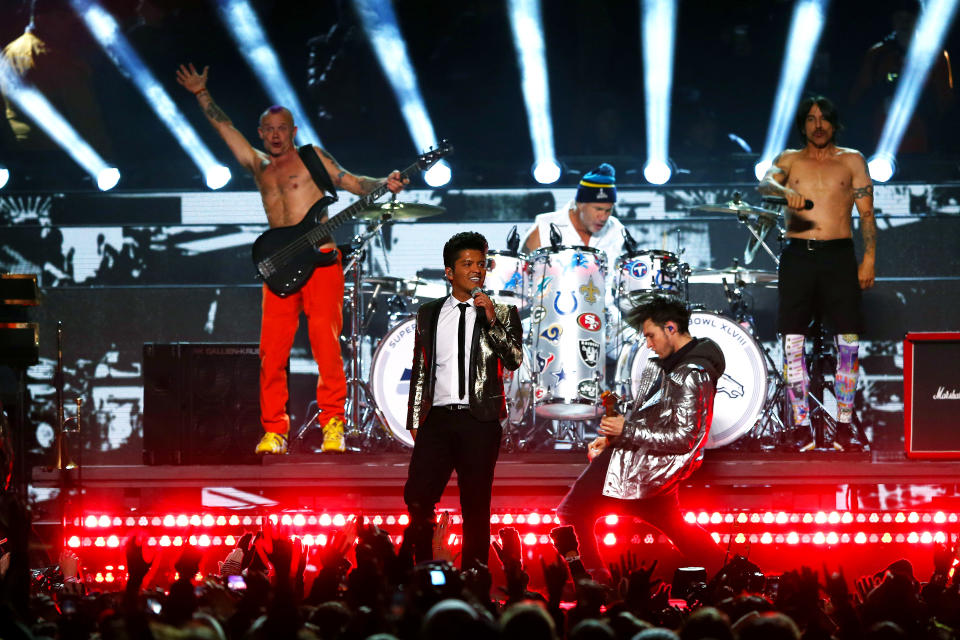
point(64, 426)
point(758, 221)
point(395, 210)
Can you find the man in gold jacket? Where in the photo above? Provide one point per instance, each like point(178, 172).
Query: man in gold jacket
point(461, 345)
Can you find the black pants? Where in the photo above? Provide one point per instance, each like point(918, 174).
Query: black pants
point(452, 441)
point(585, 503)
point(819, 280)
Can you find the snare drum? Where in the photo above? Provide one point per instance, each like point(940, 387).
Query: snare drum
point(390, 371)
point(741, 390)
point(647, 272)
point(565, 294)
point(506, 278)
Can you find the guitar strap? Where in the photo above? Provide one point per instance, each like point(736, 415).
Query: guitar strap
point(317, 171)
point(322, 179)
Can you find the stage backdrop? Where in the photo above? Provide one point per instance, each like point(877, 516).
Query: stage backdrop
point(120, 270)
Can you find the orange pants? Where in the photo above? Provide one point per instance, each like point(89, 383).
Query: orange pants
point(321, 299)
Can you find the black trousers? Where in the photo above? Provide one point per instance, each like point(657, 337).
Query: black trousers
point(585, 503)
point(452, 441)
point(819, 280)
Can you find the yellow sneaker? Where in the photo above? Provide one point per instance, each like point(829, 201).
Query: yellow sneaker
point(333, 439)
point(272, 443)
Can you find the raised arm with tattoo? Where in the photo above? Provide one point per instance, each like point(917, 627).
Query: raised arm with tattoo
point(196, 83)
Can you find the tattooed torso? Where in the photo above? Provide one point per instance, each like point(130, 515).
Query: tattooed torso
point(286, 188)
point(829, 183)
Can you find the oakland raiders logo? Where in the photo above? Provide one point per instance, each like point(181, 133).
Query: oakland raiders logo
point(589, 352)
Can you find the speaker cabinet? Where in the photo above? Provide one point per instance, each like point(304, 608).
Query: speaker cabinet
point(201, 403)
point(931, 406)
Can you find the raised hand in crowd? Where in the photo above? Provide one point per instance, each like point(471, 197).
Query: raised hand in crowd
point(442, 549)
point(69, 563)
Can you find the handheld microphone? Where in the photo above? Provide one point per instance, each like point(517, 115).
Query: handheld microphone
point(555, 236)
point(513, 240)
point(807, 204)
point(481, 313)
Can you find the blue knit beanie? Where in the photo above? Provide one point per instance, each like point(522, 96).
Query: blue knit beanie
point(599, 185)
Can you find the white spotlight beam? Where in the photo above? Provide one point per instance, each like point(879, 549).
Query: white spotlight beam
point(380, 24)
point(527, 26)
point(659, 23)
point(33, 103)
point(927, 42)
point(106, 31)
point(243, 25)
point(805, 30)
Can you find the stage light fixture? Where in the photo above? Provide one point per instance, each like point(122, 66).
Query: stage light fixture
point(546, 171)
point(657, 172)
point(438, 175)
point(882, 167)
point(929, 32)
point(106, 31)
point(527, 27)
point(380, 24)
point(108, 178)
point(4, 177)
point(242, 23)
point(658, 25)
point(806, 27)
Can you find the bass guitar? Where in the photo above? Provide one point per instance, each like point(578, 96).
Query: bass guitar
point(285, 257)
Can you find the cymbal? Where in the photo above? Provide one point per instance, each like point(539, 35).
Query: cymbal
point(738, 209)
point(396, 210)
point(733, 275)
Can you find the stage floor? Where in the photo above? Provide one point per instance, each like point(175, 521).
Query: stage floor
point(375, 481)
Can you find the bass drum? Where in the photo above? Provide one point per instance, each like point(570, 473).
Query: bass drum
point(390, 372)
point(741, 390)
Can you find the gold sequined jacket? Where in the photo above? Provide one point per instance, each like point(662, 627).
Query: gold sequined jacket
point(493, 348)
point(665, 431)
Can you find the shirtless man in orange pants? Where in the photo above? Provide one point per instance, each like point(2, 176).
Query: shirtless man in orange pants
point(288, 192)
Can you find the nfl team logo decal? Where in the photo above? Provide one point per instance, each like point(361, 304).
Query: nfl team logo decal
point(589, 321)
point(589, 352)
point(587, 389)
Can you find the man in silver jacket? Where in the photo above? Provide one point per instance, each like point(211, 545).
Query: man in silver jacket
point(640, 459)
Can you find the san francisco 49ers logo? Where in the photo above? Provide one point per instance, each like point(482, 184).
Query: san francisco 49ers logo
point(589, 321)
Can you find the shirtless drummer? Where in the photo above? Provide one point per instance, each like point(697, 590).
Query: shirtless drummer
point(819, 275)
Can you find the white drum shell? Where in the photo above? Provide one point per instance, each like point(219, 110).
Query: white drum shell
point(566, 292)
point(390, 371)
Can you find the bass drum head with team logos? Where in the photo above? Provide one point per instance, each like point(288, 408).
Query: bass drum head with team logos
point(390, 372)
point(742, 388)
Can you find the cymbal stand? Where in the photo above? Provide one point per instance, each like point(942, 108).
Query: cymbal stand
point(364, 418)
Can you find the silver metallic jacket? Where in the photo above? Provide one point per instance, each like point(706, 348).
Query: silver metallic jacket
point(662, 441)
point(494, 347)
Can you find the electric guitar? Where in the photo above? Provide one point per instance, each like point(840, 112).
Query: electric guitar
point(285, 257)
point(609, 400)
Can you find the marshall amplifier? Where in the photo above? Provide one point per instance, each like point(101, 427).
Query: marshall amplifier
point(931, 405)
point(201, 403)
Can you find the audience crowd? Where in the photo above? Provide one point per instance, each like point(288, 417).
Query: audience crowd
point(361, 585)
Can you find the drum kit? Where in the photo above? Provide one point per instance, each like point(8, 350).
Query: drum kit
point(571, 304)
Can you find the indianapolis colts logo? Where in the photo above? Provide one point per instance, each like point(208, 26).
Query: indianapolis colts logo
point(556, 303)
